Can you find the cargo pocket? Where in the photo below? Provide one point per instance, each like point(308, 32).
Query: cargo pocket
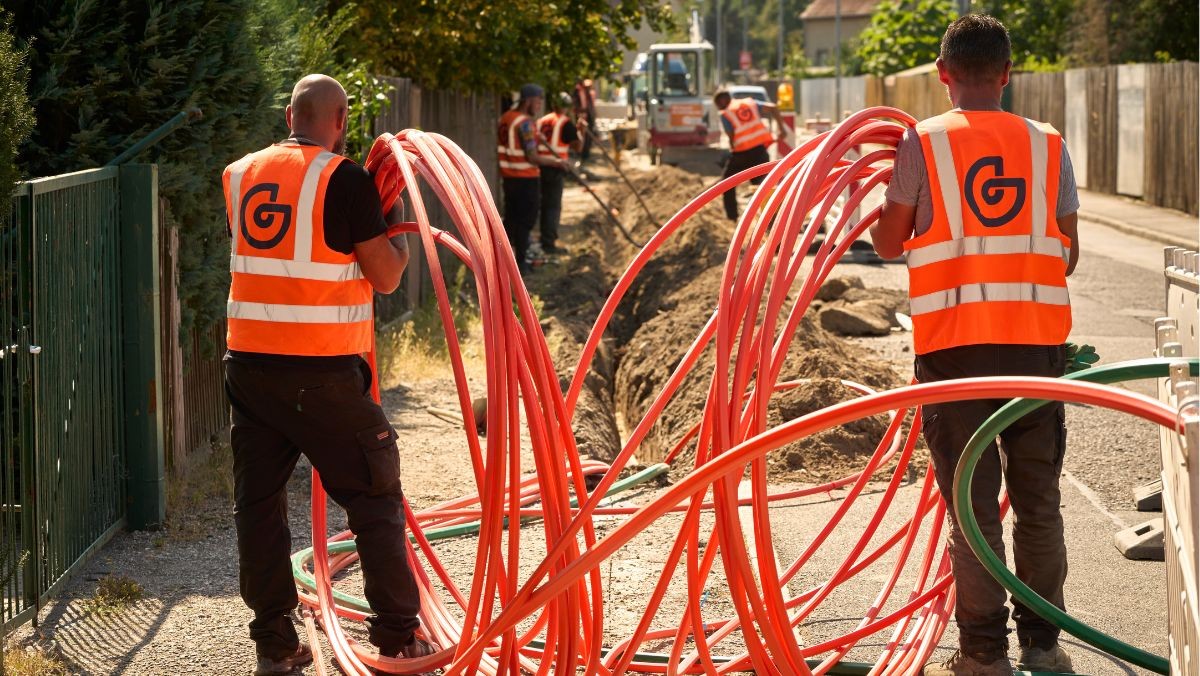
point(383, 458)
point(1060, 436)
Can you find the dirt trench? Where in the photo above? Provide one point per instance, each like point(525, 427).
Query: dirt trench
point(663, 312)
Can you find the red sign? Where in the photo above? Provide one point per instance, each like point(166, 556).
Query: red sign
point(745, 60)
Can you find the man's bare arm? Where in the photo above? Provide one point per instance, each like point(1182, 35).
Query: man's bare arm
point(542, 160)
point(773, 111)
point(894, 227)
point(1069, 226)
point(383, 259)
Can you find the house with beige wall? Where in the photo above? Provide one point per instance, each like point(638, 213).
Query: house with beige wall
point(819, 31)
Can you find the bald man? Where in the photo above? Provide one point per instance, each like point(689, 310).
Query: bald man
point(310, 248)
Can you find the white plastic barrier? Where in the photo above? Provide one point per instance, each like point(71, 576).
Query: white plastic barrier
point(1176, 335)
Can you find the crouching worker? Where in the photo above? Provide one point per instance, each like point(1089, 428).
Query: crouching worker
point(983, 204)
point(309, 248)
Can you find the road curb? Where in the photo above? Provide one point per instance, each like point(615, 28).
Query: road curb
point(1138, 231)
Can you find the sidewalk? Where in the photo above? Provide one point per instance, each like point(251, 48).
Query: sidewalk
point(1136, 218)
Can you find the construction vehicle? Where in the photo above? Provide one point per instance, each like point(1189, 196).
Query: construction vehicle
point(670, 95)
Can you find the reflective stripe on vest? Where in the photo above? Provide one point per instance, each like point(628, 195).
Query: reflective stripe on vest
point(299, 314)
point(749, 129)
point(554, 123)
point(290, 293)
point(992, 266)
point(511, 154)
point(989, 291)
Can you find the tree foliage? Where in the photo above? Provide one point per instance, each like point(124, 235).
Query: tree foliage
point(1134, 31)
point(902, 35)
point(1039, 31)
point(495, 45)
point(107, 73)
point(16, 117)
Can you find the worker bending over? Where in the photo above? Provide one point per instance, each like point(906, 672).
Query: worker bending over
point(749, 138)
point(983, 204)
point(558, 135)
point(519, 163)
point(310, 246)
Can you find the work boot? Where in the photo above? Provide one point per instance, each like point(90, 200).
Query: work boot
point(268, 666)
point(416, 647)
point(1053, 660)
point(962, 664)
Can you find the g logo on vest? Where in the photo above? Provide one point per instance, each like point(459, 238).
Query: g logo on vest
point(745, 114)
point(266, 215)
point(992, 190)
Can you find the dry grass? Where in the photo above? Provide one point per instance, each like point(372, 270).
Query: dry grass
point(31, 661)
point(414, 349)
point(201, 494)
point(113, 594)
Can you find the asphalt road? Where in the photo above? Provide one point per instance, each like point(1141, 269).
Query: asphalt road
point(1116, 292)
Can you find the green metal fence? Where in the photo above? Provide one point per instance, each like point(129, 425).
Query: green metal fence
point(80, 378)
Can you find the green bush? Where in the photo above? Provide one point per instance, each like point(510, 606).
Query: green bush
point(16, 117)
point(105, 74)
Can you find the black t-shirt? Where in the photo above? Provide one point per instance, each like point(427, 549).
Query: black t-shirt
point(352, 215)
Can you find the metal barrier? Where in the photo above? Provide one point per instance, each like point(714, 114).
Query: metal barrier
point(81, 436)
point(1176, 335)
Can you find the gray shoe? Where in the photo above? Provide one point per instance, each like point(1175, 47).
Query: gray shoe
point(268, 666)
point(1053, 660)
point(962, 664)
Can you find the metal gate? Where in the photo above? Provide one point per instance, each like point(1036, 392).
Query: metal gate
point(74, 400)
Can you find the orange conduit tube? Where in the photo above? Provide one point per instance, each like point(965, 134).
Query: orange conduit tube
point(551, 620)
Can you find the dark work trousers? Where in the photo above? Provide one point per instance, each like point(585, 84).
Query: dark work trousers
point(741, 162)
point(551, 211)
point(1031, 466)
point(521, 198)
point(328, 415)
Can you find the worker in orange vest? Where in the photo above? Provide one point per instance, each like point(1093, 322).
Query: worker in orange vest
point(584, 99)
point(559, 134)
point(749, 138)
point(519, 169)
point(983, 203)
point(310, 248)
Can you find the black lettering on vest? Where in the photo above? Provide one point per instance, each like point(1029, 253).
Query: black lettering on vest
point(992, 190)
point(266, 215)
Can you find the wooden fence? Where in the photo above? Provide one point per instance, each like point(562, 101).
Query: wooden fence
point(1173, 132)
point(1101, 97)
point(920, 94)
point(194, 406)
point(470, 121)
point(1035, 95)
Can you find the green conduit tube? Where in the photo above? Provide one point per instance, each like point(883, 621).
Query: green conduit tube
point(301, 558)
point(964, 509)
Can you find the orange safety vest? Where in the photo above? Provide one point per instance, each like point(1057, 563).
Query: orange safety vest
point(749, 129)
point(992, 266)
point(290, 293)
point(550, 126)
point(513, 163)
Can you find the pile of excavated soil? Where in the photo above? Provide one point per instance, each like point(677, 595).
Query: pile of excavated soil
point(660, 317)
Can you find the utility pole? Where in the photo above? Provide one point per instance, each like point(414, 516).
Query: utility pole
point(742, 17)
point(779, 46)
point(964, 7)
point(837, 60)
point(720, 40)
